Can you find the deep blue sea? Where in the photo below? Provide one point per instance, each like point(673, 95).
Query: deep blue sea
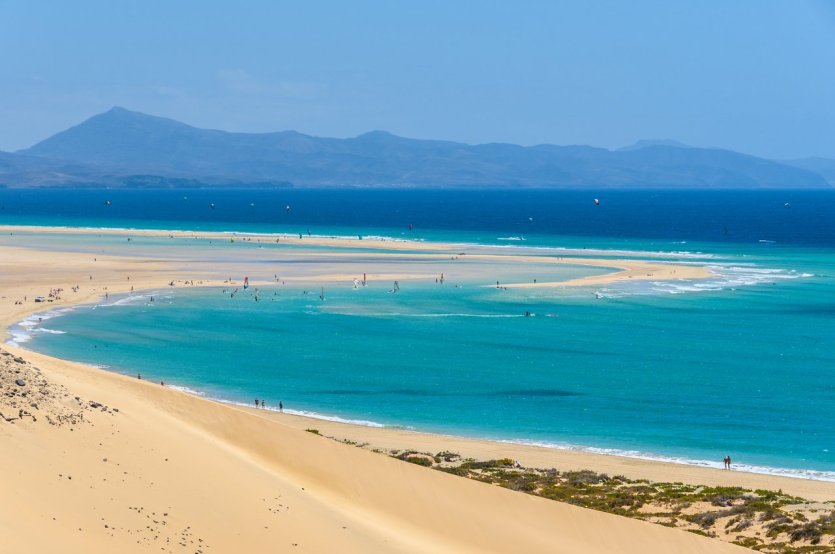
point(741, 364)
point(722, 217)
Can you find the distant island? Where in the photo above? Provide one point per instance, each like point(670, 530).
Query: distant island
point(123, 148)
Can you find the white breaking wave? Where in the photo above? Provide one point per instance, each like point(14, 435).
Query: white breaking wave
point(18, 338)
point(51, 331)
point(575, 251)
point(817, 475)
point(399, 314)
point(312, 415)
point(130, 299)
point(187, 390)
point(729, 276)
point(381, 238)
point(316, 415)
point(23, 331)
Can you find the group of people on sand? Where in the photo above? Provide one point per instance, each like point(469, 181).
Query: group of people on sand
point(54, 294)
point(263, 404)
point(727, 462)
point(259, 402)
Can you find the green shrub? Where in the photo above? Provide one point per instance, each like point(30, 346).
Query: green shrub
point(419, 460)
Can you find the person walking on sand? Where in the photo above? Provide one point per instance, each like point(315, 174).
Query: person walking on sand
point(256, 403)
point(280, 406)
point(263, 404)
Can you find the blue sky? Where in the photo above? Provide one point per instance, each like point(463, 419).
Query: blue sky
point(754, 76)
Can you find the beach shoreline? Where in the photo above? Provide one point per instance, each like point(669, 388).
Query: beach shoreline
point(30, 272)
point(142, 286)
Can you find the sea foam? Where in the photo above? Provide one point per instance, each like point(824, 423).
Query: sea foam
point(816, 475)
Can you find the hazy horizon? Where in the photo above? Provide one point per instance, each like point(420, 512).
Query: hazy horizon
point(749, 76)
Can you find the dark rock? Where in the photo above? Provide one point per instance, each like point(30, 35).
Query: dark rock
point(20, 383)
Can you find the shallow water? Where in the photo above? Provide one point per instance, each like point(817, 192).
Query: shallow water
point(738, 364)
point(734, 367)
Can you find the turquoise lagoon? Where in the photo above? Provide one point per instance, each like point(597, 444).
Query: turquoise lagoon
point(738, 364)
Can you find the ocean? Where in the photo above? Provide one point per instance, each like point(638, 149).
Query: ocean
point(742, 363)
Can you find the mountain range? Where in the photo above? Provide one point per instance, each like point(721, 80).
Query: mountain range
point(131, 149)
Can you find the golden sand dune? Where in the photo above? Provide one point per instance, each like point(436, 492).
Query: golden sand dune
point(170, 470)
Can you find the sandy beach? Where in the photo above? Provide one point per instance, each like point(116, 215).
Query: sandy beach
point(108, 463)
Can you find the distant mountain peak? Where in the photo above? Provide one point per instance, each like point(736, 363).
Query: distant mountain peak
point(120, 113)
point(378, 135)
point(648, 143)
point(116, 146)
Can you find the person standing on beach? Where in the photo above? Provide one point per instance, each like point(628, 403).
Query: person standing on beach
point(256, 403)
point(263, 404)
point(729, 461)
point(280, 406)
